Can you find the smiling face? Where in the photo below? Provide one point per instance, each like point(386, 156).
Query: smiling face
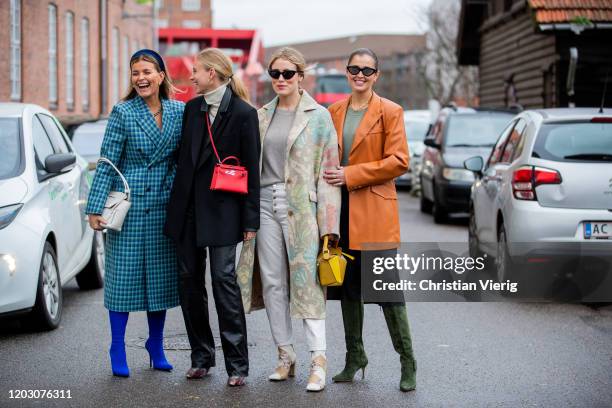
point(360, 83)
point(282, 86)
point(146, 79)
point(202, 77)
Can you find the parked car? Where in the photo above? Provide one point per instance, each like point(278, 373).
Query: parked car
point(87, 140)
point(458, 133)
point(45, 239)
point(417, 124)
point(548, 183)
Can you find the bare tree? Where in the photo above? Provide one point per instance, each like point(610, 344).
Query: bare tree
point(444, 79)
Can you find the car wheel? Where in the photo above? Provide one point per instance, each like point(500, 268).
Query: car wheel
point(92, 276)
point(47, 311)
point(473, 244)
point(425, 203)
point(503, 263)
point(439, 212)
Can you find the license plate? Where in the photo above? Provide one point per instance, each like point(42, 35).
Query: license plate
point(598, 230)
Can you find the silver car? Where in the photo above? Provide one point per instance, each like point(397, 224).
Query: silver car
point(546, 190)
point(417, 124)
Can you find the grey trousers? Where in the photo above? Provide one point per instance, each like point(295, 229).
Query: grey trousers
point(272, 242)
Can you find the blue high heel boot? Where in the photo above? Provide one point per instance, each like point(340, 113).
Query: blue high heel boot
point(118, 322)
point(155, 343)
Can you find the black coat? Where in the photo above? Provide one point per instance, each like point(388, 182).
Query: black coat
point(221, 217)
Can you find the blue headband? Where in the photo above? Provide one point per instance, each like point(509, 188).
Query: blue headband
point(150, 53)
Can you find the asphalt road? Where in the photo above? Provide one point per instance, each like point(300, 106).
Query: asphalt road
point(469, 355)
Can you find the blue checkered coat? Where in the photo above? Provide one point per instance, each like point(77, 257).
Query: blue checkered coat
point(141, 265)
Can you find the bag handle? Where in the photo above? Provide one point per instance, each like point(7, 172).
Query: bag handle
point(212, 142)
point(326, 253)
point(126, 186)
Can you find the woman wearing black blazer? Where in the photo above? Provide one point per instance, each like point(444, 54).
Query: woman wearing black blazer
point(200, 218)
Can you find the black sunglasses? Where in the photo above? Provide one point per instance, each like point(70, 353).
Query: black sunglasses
point(287, 74)
point(355, 70)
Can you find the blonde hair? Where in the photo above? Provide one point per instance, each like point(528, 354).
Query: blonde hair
point(292, 55)
point(166, 89)
point(215, 58)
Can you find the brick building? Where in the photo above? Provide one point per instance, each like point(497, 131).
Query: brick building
point(399, 57)
point(184, 13)
point(71, 56)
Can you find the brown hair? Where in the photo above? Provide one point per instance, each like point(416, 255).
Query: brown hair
point(292, 55)
point(364, 51)
point(215, 58)
point(166, 89)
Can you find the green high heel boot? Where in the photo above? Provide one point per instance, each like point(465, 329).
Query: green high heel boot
point(399, 329)
point(356, 359)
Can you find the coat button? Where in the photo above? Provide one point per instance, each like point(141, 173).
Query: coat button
point(147, 211)
point(290, 213)
point(288, 181)
point(148, 189)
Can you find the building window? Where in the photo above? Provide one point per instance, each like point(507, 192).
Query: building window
point(125, 67)
point(162, 23)
point(53, 55)
point(70, 60)
point(85, 63)
point(15, 50)
point(192, 24)
point(159, 4)
point(191, 5)
point(115, 65)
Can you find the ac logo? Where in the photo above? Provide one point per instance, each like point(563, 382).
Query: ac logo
point(230, 172)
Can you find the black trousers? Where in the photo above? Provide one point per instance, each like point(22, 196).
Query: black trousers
point(228, 301)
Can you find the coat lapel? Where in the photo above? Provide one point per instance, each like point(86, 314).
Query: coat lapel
point(217, 127)
point(146, 122)
point(338, 117)
point(302, 116)
point(168, 118)
point(372, 115)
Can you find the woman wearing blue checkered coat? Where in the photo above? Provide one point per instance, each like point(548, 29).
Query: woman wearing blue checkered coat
point(141, 139)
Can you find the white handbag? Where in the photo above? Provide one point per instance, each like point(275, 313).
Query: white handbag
point(117, 204)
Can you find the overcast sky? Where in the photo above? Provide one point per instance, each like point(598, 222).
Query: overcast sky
point(290, 21)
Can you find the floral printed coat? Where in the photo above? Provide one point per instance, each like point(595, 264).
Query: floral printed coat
point(314, 209)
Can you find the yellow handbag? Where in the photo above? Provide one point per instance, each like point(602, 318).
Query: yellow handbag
point(332, 264)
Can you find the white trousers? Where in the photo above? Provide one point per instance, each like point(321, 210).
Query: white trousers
point(272, 243)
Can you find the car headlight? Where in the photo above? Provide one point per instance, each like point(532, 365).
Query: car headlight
point(452, 174)
point(8, 214)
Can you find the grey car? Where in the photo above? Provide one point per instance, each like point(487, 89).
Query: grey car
point(545, 192)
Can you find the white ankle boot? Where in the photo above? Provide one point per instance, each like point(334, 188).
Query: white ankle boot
point(318, 369)
point(286, 364)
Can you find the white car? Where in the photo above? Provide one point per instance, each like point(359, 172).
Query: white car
point(45, 239)
point(416, 123)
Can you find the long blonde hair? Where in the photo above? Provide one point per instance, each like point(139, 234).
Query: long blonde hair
point(216, 59)
point(166, 89)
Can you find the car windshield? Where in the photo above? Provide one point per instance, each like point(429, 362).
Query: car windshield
point(10, 148)
point(475, 129)
point(333, 85)
point(416, 130)
point(87, 141)
point(584, 142)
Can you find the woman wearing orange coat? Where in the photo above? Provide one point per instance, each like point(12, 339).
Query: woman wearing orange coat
point(373, 152)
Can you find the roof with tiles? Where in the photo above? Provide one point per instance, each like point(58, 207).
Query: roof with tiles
point(565, 11)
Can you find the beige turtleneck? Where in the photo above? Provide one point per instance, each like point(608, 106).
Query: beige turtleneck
point(213, 99)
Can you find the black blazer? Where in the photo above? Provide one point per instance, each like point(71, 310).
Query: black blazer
point(221, 217)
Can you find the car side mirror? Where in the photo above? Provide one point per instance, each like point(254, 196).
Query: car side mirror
point(59, 163)
point(474, 164)
point(431, 143)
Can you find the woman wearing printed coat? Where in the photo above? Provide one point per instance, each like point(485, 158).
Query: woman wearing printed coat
point(141, 137)
point(298, 208)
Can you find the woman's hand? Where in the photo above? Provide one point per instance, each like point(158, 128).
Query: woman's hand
point(96, 222)
point(249, 235)
point(335, 177)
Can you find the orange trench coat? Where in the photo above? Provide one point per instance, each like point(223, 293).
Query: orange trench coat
point(379, 154)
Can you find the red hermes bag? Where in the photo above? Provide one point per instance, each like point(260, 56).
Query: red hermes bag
point(227, 177)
